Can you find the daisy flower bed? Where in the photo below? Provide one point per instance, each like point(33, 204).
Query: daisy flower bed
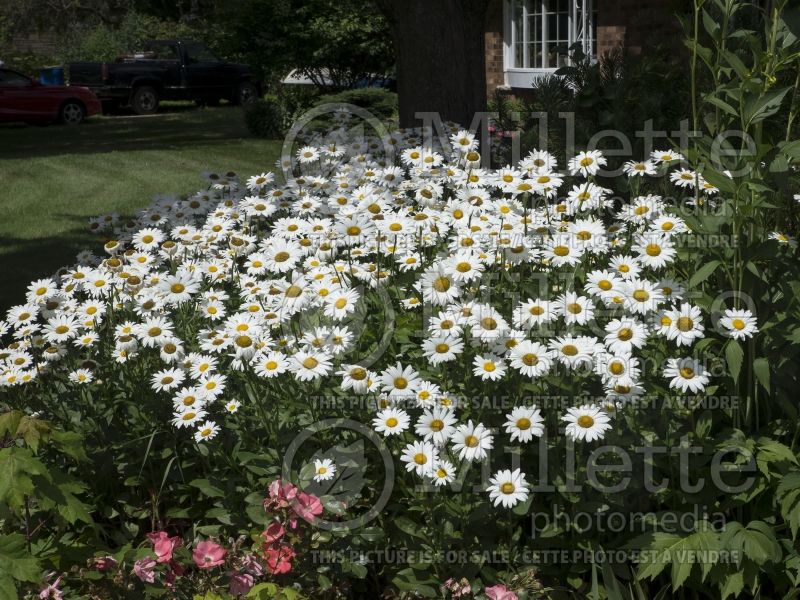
point(491, 329)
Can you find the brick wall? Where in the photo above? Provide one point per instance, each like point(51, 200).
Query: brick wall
point(493, 40)
point(637, 25)
point(633, 24)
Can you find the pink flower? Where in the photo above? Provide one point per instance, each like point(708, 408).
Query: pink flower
point(163, 545)
point(499, 592)
point(307, 506)
point(51, 590)
point(208, 555)
point(241, 583)
point(105, 563)
point(273, 532)
point(144, 569)
point(251, 565)
point(281, 494)
point(278, 558)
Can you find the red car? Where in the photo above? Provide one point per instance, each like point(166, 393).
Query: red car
point(25, 99)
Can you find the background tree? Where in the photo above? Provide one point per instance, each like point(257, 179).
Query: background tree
point(440, 60)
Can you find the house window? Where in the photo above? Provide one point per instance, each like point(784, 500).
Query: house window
point(538, 33)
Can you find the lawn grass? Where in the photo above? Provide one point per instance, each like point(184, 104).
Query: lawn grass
point(55, 178)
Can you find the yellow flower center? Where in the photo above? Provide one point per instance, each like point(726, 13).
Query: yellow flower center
point(441, 284)
point(625, 334)
point(574, 308)
point(293, 291)
point(585, 421)
point(523, 423)
point(507, 488)
point(489, 323)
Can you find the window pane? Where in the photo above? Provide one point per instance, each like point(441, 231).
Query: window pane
point(535, 36)
point(563, 27)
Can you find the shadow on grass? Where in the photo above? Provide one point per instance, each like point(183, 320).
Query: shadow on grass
point(176, 129)
point(29, 259)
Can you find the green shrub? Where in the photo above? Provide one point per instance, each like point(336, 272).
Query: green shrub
point(105, 43)
point(297, 99)
point(380, 102)
point(266, 118)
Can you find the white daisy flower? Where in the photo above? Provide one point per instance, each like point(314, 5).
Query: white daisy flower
point(391, 421)
point(524, 422)
point(587, 422)
point(324, 469)
point(740, 324)
point(508, 488)
point(471, 442)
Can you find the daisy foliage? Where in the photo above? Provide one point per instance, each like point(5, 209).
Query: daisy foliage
point(508, 280)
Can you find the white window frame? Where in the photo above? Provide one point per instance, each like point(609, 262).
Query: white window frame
point(518, 77)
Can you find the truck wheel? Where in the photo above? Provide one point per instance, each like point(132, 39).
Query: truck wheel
point(145, 100)
point(246, 93)
point(72, 113)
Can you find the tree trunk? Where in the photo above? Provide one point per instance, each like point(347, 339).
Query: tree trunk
point(441, 63)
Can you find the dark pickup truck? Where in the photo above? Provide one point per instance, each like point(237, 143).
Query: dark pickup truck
point(166, 70)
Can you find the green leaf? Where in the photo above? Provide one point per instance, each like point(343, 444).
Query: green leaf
point(761, 370)
point(263, 591)
point(356, 569)
point(756, 541)
point(758, 109)
point(408, 526)
point(371, 534)
point(207, 489)
point(719, 103)
point(15, 562)
point(788, 495)
point(8, 589)
point(33, 431)
point(734, 355)
point(733, 585)
point(70, 443)
point(407, 581)
point(17, 465)
point(9, 421)
point(703, 273)
point(736, 63)
point(613, 590)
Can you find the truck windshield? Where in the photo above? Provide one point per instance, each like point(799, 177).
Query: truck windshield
point(200, 53)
